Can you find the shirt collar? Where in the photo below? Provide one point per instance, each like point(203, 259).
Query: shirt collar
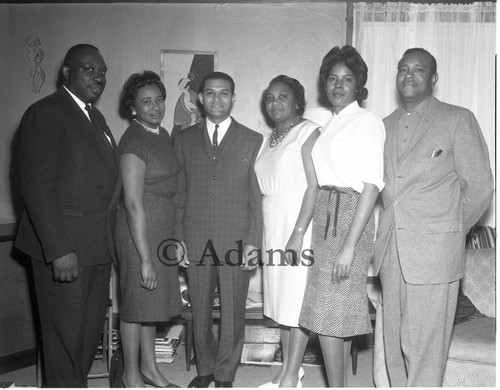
point(419, 110)
point(348, 110)
point(78, 101)
point(223, 126)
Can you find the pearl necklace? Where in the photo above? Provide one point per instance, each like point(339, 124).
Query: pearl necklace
point(278, 136)
point(155, 131)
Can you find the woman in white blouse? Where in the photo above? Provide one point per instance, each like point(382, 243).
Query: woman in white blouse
point(348, 159)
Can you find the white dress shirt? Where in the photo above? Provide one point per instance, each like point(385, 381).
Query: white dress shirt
point(82, 105)
point(221, 131)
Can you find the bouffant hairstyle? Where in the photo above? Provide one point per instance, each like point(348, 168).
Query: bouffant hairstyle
point(135, 82)
point(348, 56)
point(295, 86)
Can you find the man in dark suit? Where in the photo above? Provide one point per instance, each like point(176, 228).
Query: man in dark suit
point(220, 221)
point(70, 186)
point(438, 184)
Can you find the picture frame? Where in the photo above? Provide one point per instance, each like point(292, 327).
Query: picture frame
point(182, 71)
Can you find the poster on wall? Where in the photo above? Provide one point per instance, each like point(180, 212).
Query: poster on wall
point(181, 72)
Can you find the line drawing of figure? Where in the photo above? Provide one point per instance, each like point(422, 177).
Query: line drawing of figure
point(36, 77)
point(186, 112)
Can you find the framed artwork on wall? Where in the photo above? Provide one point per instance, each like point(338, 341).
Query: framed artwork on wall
point(181, 72)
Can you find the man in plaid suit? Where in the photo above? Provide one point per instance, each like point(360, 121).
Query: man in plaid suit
point(220, 222)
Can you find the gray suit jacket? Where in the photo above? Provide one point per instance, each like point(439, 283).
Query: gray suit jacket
point(219, 197)
point(431, 202)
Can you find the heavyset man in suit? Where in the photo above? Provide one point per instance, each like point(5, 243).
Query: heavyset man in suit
point(220, 222)
point(438, 184)
point(70, 186)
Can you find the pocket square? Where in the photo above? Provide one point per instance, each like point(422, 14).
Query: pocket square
point(244, 160)
point(436, 153)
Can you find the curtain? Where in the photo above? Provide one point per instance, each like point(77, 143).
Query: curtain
point(460, 36)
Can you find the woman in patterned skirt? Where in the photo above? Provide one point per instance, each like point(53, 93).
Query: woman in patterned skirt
point(348, 159)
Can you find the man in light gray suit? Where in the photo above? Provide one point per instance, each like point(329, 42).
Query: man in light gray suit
point(438, 184)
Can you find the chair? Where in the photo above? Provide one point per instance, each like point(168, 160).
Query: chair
point(471, 359)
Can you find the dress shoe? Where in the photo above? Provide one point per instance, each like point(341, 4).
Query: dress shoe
point(149, 382)
point(201, 381)
point(223, 383)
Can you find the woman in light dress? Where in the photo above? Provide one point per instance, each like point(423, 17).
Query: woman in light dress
point(287, 180)
point(348, 160)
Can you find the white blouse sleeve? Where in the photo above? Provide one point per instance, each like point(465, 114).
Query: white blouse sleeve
point(372, 152)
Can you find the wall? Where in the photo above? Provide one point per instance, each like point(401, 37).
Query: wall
point(254, 43)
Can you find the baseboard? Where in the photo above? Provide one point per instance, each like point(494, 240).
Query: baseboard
point(18, 360)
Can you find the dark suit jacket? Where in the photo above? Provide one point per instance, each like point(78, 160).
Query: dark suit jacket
point(219, 197)
point(69, 181)
point(431, 202)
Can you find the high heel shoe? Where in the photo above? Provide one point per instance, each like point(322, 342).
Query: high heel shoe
point(271, 384)
point(148, 381)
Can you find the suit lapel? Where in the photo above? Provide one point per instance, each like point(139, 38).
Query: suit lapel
point(422, 127)
point(84, 123)
point(204, 140)
point(229, 138)
point(392, 138)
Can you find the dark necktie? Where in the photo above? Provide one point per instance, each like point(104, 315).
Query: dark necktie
point(102, 132)
point(216, 134)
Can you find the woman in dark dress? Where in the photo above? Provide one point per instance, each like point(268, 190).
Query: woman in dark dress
point(149, 286)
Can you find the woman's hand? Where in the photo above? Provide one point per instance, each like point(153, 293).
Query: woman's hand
point(148, 274)
point(293, 248)
point(181, 254)
point(342, 265)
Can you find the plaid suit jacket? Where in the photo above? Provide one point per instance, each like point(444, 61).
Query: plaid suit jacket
point(219, 199)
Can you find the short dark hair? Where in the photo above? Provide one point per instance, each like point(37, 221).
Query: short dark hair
point(73, 52)
point(135, 82)
point(422, 50)
point(295, 86)
point(348, 56)
point(217, 75)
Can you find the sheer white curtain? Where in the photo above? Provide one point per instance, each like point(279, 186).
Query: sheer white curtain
point(460, 36)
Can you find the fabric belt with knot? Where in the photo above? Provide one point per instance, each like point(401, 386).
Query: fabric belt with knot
point(337, 191)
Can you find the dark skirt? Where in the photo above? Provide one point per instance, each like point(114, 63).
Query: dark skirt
point(138, 304)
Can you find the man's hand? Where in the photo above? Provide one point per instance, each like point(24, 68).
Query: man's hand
point(65, 268)
point(251, 257)
point(182, 255)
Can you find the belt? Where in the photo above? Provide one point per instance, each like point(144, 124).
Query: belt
point(338, 191)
